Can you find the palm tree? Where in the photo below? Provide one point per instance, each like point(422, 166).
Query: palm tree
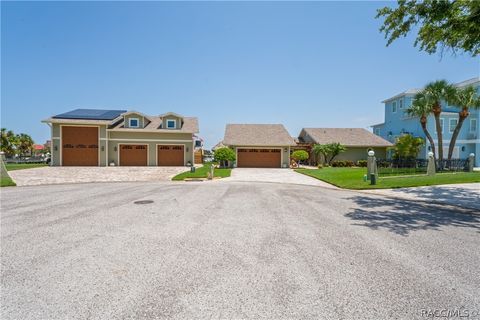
point(8, 142)
point(421, 108)
point(25, 144)
point(466, 98)
point(437, 91)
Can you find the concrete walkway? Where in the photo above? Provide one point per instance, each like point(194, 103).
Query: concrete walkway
point(465, 195)
point(60, 175)
point(282, 176)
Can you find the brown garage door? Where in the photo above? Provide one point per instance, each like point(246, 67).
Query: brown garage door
point(259, 158)
point(79, 146)
point(170, 155)
point(133, 155)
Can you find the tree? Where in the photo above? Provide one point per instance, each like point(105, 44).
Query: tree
point(223, 155)
point(421, 108)
point(8, 142)
point(451, 24)
point(300, 155)
point(407, 147)
point(436, 92)
point(466, 98)
point(329, 151)
point(24, 144)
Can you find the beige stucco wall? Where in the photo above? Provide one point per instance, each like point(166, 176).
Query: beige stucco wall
point(151, 139)
point(57, 143)
point(109, 140)
point(113, 150)
point(285, 152)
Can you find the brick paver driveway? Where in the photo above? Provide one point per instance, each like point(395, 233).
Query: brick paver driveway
point(57, 175)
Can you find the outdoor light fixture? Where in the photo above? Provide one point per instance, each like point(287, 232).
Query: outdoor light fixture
point(463, 148)
point(430, 154)
point(55, 148)
point(285, 149)
point(187, 149)
point(103, 148)
point(371, 153)
point(429, 148)
point(115, 148)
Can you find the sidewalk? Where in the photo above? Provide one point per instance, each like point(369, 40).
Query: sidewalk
point(465, 195)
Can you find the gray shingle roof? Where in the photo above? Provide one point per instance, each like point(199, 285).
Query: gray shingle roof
point(257, 135)
point(350, 137)
point(190, 125)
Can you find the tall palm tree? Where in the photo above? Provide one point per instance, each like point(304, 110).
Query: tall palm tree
point(466, 98)
point(421, 108)
point(437, 92)
point(8, 142)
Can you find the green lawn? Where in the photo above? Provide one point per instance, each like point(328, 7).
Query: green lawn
point(202, 173)
point(20, 166)
point(6, 182)
point(352, 178)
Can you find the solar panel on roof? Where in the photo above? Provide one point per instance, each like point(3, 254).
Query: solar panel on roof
point(90, 114)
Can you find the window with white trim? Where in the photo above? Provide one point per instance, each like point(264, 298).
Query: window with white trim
point(394, 106)
point(171, 124)
point(441, 123)
point(452, 123)
point(473, 125)
point(377, 131)
point(133, 122)
point(400, 103)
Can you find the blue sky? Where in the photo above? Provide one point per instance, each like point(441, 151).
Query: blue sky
point(311, 64)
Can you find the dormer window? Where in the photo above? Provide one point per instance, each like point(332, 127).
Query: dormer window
point(133, 123)
point(171, 124)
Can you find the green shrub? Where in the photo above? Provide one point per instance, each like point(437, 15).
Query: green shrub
point(342, 163)
point(300, 155)
point(320, 166)
point(362, 163)
point(223, 155)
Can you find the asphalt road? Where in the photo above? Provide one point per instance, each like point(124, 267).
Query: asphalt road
point(232, 251)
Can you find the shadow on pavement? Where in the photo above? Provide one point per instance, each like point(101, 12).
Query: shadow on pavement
point(402, 217)
point(453, 195)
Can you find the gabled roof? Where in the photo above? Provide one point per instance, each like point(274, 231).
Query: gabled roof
point(136, 112)
point(350, 137)
point(190, 125)
point(170, 114)
point(257, 135)
point(408, 92)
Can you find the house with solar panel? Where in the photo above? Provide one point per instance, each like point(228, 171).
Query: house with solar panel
point(91, 137)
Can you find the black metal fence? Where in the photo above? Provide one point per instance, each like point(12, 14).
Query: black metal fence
point(418, 166)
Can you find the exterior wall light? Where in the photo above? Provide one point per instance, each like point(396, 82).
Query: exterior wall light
point(115, 148)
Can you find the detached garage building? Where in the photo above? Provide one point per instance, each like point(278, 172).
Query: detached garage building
point(91, 137)
point(259, 145)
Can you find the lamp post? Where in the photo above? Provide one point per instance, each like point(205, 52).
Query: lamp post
point(471, 161)
point(372, 172)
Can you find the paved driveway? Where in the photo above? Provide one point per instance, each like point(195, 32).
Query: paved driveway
point(56, 175)
point(285, 176)
point(231, 251)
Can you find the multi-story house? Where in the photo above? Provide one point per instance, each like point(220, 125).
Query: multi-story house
point(398, 122)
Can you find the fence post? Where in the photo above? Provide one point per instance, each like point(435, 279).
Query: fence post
point(371, 165)
point(471, 162)
point(431, 164)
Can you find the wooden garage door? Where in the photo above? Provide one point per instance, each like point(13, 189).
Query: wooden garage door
point(133, 155)
point(259, 158)
point(79, 146)
point(170, 155)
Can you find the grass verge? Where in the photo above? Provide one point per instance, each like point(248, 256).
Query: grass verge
point(20, 166)
point(6, 182)
point(202, 172)
point(352, 178)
